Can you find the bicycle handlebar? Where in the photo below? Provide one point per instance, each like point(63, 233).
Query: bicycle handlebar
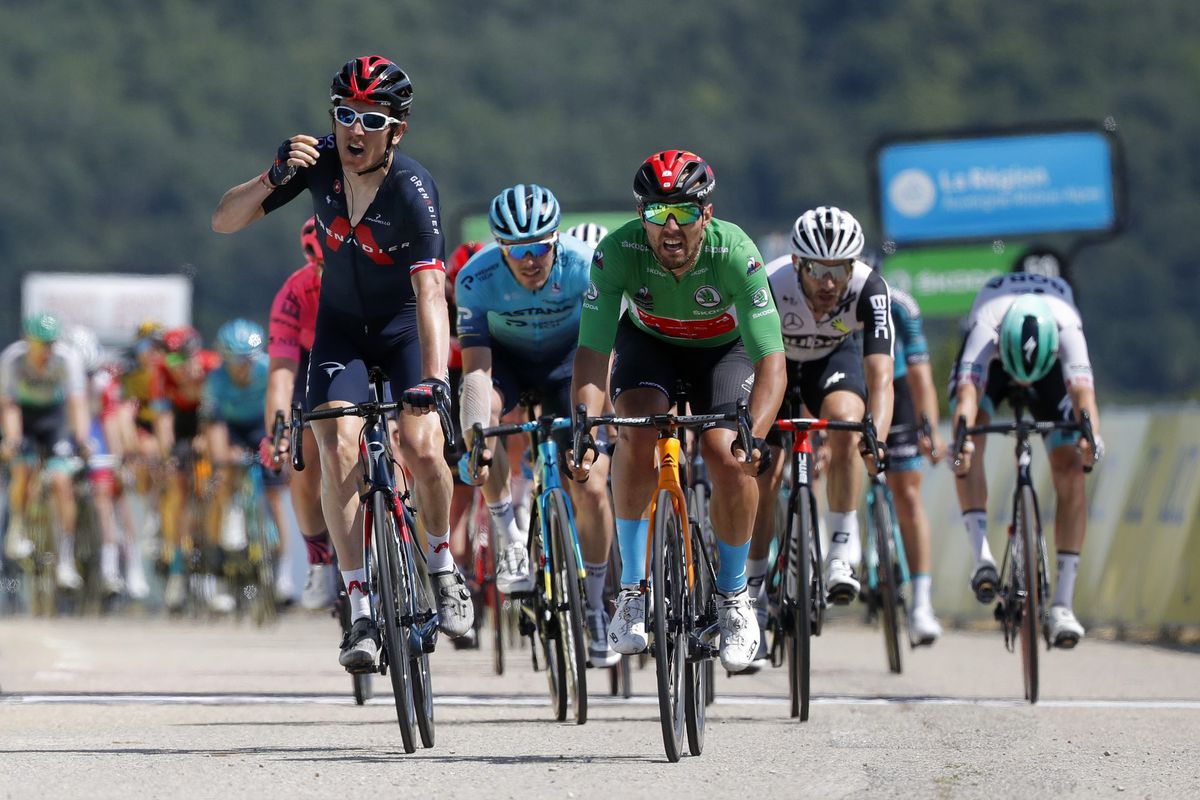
point(866, 428)
point(1022, 428)
point(475, 459)
point(276, 441)
point(582, 425)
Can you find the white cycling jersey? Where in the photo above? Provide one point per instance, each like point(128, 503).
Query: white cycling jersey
point(865, 306)
point(980, 347)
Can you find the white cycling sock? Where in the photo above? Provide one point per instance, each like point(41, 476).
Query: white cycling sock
point(922, 584)
point(1068, 566)
point(356, 592)
point(843, 536)
point(597, 574)
point(66, 549)
point(438, 555)
point(504, 520)
point(110, 561)
point(975, 521)
point(756, 578)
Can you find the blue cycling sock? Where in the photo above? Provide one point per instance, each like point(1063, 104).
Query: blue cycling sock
point(631, 538)
point(731, 577)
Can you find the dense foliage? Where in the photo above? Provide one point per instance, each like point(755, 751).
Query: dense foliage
point(124, 122)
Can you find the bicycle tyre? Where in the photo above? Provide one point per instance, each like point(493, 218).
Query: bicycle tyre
point(392, 607)
point(540, 606)
point(1027, 533)
point(887, 592)
point(670, 643)
point(568, 605)
point(701, 498)
point(699, 609)
point(798, 605)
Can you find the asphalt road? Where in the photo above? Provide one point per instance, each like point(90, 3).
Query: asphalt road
point(152, 708)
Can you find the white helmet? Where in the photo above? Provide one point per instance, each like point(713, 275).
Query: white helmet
point(588, 232)
point(827, 234)
point(84, 342)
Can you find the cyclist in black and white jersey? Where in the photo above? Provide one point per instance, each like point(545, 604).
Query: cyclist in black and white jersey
point(1021, 326)
point(825, 294)
point(382, 304)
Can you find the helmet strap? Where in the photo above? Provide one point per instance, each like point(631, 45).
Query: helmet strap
point(387, 156)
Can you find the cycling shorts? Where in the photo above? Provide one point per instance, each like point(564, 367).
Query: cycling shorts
point(344, 347)
point(46, 435)
point(840, 370)
point(548, 380)
point(904, 453)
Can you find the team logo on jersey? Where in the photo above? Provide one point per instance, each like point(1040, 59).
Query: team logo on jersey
point(592, 292)
point(840, 326)
point(753, 265)
point(708, 296)
point(836, 377)
point(598, 259)
point(337, 185)
point(760, 299)
point(644, 299)
point(332, 367)
point(791, 320)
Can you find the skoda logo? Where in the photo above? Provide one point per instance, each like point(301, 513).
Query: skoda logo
point(708, 296)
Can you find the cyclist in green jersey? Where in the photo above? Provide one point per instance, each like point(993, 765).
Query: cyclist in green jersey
point(700, 314)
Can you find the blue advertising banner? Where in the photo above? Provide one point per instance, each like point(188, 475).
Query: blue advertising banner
point(996, 186)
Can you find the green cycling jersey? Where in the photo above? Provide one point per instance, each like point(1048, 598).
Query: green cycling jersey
point(725, 295)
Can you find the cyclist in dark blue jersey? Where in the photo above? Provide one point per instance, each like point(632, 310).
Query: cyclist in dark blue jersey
point(382, 303)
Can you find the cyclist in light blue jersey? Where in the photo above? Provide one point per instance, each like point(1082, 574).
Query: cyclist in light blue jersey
point(915, 396)
point(231, 406)
point(519, 303)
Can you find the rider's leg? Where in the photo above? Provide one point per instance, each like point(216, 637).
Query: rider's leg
point(769, 485)
point(1070, 519)
point(844, 478)
point(914, 529)
point(634, 477)
point(17, 545)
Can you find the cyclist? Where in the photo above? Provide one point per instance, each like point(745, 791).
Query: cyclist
point(590, 233)
point(700, 312)
point(177, 386)
point(907, 443)
point(234, 394)
point(289, 340)
point(382, 303)
point(44, 412)
point(518, 318)
point(1020, 327)
point(824, 294)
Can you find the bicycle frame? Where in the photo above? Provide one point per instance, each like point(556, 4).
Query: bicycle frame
point(872, 558)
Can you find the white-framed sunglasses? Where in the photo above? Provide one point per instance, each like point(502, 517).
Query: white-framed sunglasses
point(371, 120)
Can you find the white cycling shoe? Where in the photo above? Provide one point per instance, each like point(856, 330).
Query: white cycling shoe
point(923, 627)
point(320, 588)
point(512, 571)
point(627, 630)
point(1061, 627)
point(67, 576)
point(840, 584)
point(740, 634)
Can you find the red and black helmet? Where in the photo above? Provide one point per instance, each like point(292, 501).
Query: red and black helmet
point(459, 258)
point(373, 79)
point(674, 176)
point(310, 241)
point(184, 339)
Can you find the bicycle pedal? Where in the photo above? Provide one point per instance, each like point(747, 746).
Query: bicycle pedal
point(365, 670)
point(842, 597)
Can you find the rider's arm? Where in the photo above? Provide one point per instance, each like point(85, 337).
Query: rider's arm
point(770, 382)
point(10, 416)
point(475, 405)
point(758, 324)
point(77, 414)
point(247, 202)
point(879, 369)
point(1077, 368)
point(598, 318)
point(433, 320)
point(281, 383)
point(874, 312)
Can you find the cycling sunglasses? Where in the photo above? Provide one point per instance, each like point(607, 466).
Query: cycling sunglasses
point(371, 120)
point(837, 270)
point(518, 252)
point(684, 213)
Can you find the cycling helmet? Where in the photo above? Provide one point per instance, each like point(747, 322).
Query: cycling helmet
point(149, 329)
point(184, 340)
point(373, 79)
point(827, 234)
point(459, 258)
point(1028, 339)
point(524, 211)
point(310, 241)
point(674, 176)
point(589, 233)
point(84, 342)
point(43, 327)
point(240, 339)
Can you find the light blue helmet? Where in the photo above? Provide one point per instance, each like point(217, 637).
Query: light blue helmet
point(525, 211)
point(240, 338)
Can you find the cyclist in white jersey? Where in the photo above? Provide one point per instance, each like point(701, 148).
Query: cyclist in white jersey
point(1021, 326)
point(824, 295)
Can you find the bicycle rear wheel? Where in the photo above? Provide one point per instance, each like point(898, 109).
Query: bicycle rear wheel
point(887, 592)
point(1026, 575)
point(541, 619)
point(797, 604)
point(567, 602)
point(414, 577)
point(670, 642)
point(699, 512)
point(392, 608)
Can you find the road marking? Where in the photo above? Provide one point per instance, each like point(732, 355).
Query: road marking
point(532, 701)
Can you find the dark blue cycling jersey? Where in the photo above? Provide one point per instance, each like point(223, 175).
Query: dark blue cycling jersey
point(367, 268)
point(911, 346)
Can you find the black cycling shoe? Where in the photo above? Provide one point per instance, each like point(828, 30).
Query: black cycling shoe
point(984, 581)
point(360, 646)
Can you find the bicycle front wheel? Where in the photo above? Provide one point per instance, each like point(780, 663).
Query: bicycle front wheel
point(887, 592)
point(670, 637)
point(707, 539)
point(567, 601)
point(1027, 533)
point(700, 612)
point(797, 604)
point(392, 608)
